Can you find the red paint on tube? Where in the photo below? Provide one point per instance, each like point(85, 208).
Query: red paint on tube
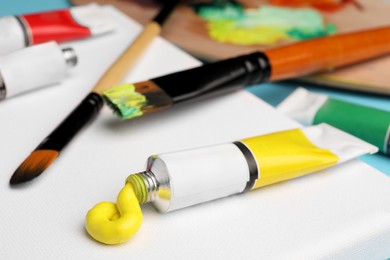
point(55, 25)
point(75, 23)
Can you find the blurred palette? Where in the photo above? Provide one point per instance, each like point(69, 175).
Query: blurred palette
point(204, 28)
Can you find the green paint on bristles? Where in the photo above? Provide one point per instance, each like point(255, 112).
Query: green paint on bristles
point(125, 101)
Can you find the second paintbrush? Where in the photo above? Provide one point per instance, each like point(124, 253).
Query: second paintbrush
point(131, 100)
point(49, 149)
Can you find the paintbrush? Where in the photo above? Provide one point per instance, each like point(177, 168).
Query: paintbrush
point(42, 157)
point(328, 53)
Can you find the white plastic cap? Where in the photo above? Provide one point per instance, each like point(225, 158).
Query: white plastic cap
point(33, 67)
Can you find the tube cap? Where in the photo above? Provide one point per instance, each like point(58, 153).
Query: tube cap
point(34, 67)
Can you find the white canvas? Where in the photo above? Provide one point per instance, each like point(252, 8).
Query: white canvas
point(340, 212)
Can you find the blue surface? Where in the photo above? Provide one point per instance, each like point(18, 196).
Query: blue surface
point(272, 93)
point(8, 7)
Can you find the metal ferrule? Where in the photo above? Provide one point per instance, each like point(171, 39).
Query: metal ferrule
point(70, 57)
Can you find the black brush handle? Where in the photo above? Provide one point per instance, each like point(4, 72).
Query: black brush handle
point(80, 116)
point(165, 11)
point(222, 76)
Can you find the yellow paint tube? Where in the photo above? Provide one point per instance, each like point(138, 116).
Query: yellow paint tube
point(180, 179)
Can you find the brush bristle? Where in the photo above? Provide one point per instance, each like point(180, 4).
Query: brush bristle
point(33, 166)
point(125, 101)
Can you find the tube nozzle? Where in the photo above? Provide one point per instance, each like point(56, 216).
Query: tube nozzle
point(145, 186)
point(70, 57)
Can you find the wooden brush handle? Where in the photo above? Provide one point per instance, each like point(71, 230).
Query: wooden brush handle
point(113, 76)
point(324, 54)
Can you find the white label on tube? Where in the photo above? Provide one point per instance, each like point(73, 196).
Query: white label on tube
point(93, 17)
point(205, 174)
point(302, 105)
point(33, 67)
point(11, 35)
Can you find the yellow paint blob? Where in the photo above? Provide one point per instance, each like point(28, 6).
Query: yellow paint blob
point(111, 223)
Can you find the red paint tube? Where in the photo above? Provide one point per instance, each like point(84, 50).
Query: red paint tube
point(75, 23)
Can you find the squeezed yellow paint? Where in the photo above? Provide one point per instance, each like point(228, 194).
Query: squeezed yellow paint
point(287, 155)
point(111, 223)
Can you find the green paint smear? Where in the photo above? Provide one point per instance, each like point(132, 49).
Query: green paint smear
point(126, 102)
point(267, 25)
point(216, 12)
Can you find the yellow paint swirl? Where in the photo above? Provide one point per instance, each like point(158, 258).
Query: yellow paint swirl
point(111, 223)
